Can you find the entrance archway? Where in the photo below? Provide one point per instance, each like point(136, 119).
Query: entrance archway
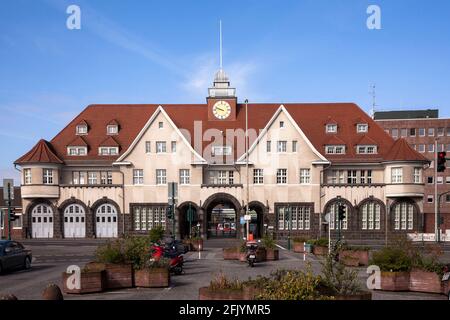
point(256, 225)
point(222, 216)
point(188, 211)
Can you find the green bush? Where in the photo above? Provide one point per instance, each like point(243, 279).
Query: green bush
point(243, 247)
point(111, 252)
point(322, 242)
point(268, 242)
point(393, 259)
point(137, 250)
point(153, 264)
point(222, 282)
point(156, 234)
point(300, 240)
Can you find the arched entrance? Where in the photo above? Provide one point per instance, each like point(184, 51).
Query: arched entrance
point(42, 221)
point(222, 216)
point(189, 217)
point(256, 225)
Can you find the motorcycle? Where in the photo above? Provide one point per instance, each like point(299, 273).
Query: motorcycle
point(176, 260)
point(252, 247)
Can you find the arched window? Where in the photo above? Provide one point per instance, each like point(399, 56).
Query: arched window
point(371, 216)
point(334, 217)
point(403, 216)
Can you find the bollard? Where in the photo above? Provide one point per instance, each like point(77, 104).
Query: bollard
point(52, 292)
point(8, 297)
point(199, 251)
point(304, 251)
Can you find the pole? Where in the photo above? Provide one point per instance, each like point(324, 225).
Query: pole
point(190, 220)
point(436, 214)
point(246, 164)
point(9, 211)
point(289, 228)
point(173, 211)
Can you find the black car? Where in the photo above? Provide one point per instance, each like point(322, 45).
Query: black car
point(13, 255)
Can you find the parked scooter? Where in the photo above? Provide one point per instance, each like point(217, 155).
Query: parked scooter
point(252, 247)
point(176, 260)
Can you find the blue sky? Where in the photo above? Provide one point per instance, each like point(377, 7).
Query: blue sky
point(167, 52)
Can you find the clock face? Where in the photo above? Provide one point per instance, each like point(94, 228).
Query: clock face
point(222, 110)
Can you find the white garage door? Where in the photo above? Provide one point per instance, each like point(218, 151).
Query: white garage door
point(106, 221)
point(42, 221)
point(74, 221)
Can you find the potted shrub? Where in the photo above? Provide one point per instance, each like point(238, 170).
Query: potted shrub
point(339, 282)
point(153, 274)
point(320, 247)
point(354, 256)
point(231, 253)
point(254, 288)
point(427, 271)
point(272, 253)
point(90, 282)
point(395, 265)
point(299, 244)
point(111, 259)
point(222, 288)
point(156, 234)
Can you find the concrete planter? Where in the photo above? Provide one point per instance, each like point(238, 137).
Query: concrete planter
point(90, 282)
point(225, 294)
point(424, 281)
point(320, 251)
point(395, 281)
point(231, 254)
point(251, 292)
point(261, 254)
point(272, 254)
point(117, 276)
point(152, 278)
point(354, 258)
point(299, 247)
point(354, 297)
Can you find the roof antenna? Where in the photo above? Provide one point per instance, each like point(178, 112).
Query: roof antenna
point(374, 100)
point(221, 55)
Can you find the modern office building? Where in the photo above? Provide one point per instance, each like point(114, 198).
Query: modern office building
point(107, 172)
point(421, 128)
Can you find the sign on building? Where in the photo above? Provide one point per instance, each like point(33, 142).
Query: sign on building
point(8, 185)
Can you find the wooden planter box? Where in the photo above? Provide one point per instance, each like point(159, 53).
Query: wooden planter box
point(395, 281)
point(196, 244)
point(231, 254)
point(272, 254)
point(362, 256)
point(261, 254)
point(206, 294)
point(299, 247)
point(424, 281)
point(152, 278)
point(349, 261)
point(251, 292)
point(320, 251)
point(354, 297)
point(117, 276)
point(90, 282)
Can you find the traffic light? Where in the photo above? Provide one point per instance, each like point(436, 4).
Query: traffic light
point(342, 211)
point(13, 216)
point(169, 212)
point(441, 165)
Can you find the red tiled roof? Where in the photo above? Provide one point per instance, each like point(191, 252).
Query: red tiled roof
point(113, 122)
point(365, 140)
point(401, 151)
point(78, 142)
point(42, 152)
point(333, 140)
point(132, 119)
point(109, 142)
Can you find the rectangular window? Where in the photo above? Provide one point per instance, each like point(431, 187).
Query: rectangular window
point(412, 132)
point(258, 176)
point(160, 125)
point(305, 176)
point(47, 176)
point(160, 147)
point(397, 175)
point(109, 177)
point(138, 176)
point(281, 146)
point(440, 180)
point(417, 175)
point(77, 151)
point(404, 132)
point(281, 124)
point(366, 149)
point(269, 146)
point(362, 128)
point(335, 149)
point(230, 177)
point(222, 177)
point(185, 176)
point(369, 176)
point(430, 199)
point(281, 176)
point(82, 129)
point(293, 217)
point(294, 146)
point(447, 180)
point(421, 132)
point(173, 146)
point(431, 147)
point(27, 176)
point(161, 176)
point(148, 147)
point(440, 132)
point(92, 178)
point(331, 128)
point(431, 132)
point(147, 217)
point(421, 148)
point(221, 150)
point(352, 177)
point(112, 129)
point(395, 133)
point(448, 132)
point(108, 151)
point(430, 180)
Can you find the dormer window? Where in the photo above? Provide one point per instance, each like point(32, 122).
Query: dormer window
point(82, 129)
point(332, 128)
point(112, 129)
point(362, 128)
point(366, 149)
point(77, 151)
point(108, 151)
point(336, 149)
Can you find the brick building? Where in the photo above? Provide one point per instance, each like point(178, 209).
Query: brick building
point(421, 128)
point(16, 226)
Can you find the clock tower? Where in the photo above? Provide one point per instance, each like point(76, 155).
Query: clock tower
point(221, 100)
